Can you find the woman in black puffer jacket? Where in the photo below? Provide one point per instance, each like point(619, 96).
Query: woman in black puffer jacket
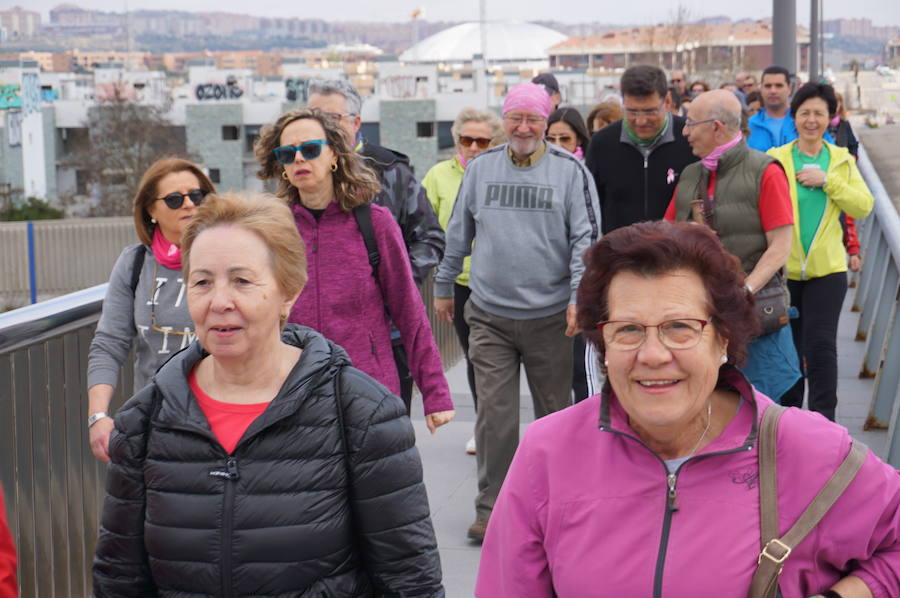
point(300, 478)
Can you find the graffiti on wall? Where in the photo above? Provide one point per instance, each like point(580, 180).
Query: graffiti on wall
point(230, 90)
point(31, 93)
point(14, 126)
point(9, 97)
point(296, 90)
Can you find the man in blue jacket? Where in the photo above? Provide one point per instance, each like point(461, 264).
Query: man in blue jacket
point(774, 126)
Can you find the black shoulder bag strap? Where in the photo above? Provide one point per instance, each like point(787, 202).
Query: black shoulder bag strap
point(363, 215)
point(136, 268)
point(775, 549)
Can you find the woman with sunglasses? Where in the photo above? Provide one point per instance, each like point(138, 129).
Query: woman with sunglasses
point(566, 128)
point(349, 299)
point(144, 306)
point(473, 132)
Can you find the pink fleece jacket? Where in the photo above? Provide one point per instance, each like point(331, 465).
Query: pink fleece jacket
point(343, 301)
point(594, 525)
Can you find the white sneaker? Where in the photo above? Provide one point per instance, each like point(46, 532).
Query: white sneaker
point(470, 446)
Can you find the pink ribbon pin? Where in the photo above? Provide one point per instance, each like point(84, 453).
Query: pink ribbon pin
point(670, 177)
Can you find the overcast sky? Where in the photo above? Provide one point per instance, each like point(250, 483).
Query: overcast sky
point(641, 12)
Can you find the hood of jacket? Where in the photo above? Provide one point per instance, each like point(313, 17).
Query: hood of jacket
point(318, 364)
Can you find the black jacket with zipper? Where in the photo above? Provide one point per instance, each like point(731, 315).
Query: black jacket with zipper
point(628, 191)
point(182, 518)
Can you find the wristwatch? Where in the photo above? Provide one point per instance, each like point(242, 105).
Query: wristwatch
point(93, 418)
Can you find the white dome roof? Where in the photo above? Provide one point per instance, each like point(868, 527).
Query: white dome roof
point(506, 41)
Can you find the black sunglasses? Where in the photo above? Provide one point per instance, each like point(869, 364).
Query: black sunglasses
point(310, 150)
point(174, 200)
point(481, 142)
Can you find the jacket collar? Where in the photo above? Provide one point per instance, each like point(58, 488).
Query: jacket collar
point(668, 136)
point(740, 434)
point(733, 157)
point(318, 364)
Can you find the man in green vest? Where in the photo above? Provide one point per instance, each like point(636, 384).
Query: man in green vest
point(743, 195)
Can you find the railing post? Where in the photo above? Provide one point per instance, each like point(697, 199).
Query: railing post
point(32, 275)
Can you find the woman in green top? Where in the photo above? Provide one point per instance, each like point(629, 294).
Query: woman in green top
point(473, 132)
point(826, 182)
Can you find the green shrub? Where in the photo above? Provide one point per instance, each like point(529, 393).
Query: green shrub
point(32, 209)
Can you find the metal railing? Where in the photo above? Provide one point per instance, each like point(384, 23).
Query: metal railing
point(47, 258)
point(877, 299)
point(53, 485)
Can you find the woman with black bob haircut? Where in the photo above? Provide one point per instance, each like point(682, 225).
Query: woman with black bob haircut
point(824, 181)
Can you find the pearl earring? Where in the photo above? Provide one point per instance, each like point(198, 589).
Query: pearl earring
point(153, 220)
point(606, 362)
point(724, 359)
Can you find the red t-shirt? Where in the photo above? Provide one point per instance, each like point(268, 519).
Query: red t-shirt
point(228, 421)
point(9, 588)
point(775, 208)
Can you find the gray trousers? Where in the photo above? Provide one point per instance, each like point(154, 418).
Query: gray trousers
point(497, 347)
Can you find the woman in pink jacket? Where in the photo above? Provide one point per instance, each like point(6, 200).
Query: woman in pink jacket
point(665, 500)
point(325, 182)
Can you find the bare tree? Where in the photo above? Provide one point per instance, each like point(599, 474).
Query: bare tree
point(124, 138)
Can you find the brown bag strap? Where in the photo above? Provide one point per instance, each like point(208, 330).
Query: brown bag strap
point(775, 550)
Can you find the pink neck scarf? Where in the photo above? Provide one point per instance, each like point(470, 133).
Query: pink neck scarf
point(579, 153)
point(462, 161)
point(167, 254)
point(711, 162)
point(835, 121)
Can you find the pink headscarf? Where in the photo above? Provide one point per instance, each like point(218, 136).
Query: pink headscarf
point(528, 96)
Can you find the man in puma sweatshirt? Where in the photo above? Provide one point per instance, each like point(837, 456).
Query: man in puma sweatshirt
point(526, 211)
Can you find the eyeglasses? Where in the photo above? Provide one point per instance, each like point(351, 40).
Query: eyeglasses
point(688, 123)
point(649, 113)
point(677, 80)
point(518, 119)
point(682, 333)
point(559, 139)
point(176, 199)
point(340, 115)
point(310, 150)
point(746, 85)
point(481, 142)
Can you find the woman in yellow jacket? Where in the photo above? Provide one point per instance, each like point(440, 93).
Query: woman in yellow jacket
point(826, 182)
point(473, 132)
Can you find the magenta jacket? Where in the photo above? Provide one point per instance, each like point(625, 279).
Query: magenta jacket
point(343, 301)
point(600, 525)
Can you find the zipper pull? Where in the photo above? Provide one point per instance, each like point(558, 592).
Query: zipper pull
point(230, 472)
point(670, 503)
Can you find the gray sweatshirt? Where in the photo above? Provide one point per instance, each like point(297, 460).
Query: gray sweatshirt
point(126, 317)
point(530, 227)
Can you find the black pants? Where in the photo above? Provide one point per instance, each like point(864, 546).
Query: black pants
point(460, 297)
point(579, 376)
point(815, 337)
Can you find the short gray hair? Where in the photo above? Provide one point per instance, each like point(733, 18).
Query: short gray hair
point(340, 87)
point(730, 119)
point(482, 116)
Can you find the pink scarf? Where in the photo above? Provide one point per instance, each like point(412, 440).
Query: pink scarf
point(167, 254)
point(711, 162)
point(462, 161)
point(579, 153)
point(835, 121)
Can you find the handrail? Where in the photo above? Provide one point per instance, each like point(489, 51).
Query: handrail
point(885, 211)
point(28, 324)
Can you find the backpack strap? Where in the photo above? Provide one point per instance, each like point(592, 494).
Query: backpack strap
point(775, 550)
point(363, 216)
point(136, 267)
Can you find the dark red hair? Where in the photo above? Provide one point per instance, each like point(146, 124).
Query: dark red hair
point(659, 247)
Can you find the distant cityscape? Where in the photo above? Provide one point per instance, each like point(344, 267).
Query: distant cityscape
point(73, 30)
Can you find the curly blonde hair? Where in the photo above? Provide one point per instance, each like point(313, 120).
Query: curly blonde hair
point(354, 183)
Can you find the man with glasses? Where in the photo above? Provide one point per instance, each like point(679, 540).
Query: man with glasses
point(636, 161)
point(400, 192)
point(743, 195)
point(525, 211)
